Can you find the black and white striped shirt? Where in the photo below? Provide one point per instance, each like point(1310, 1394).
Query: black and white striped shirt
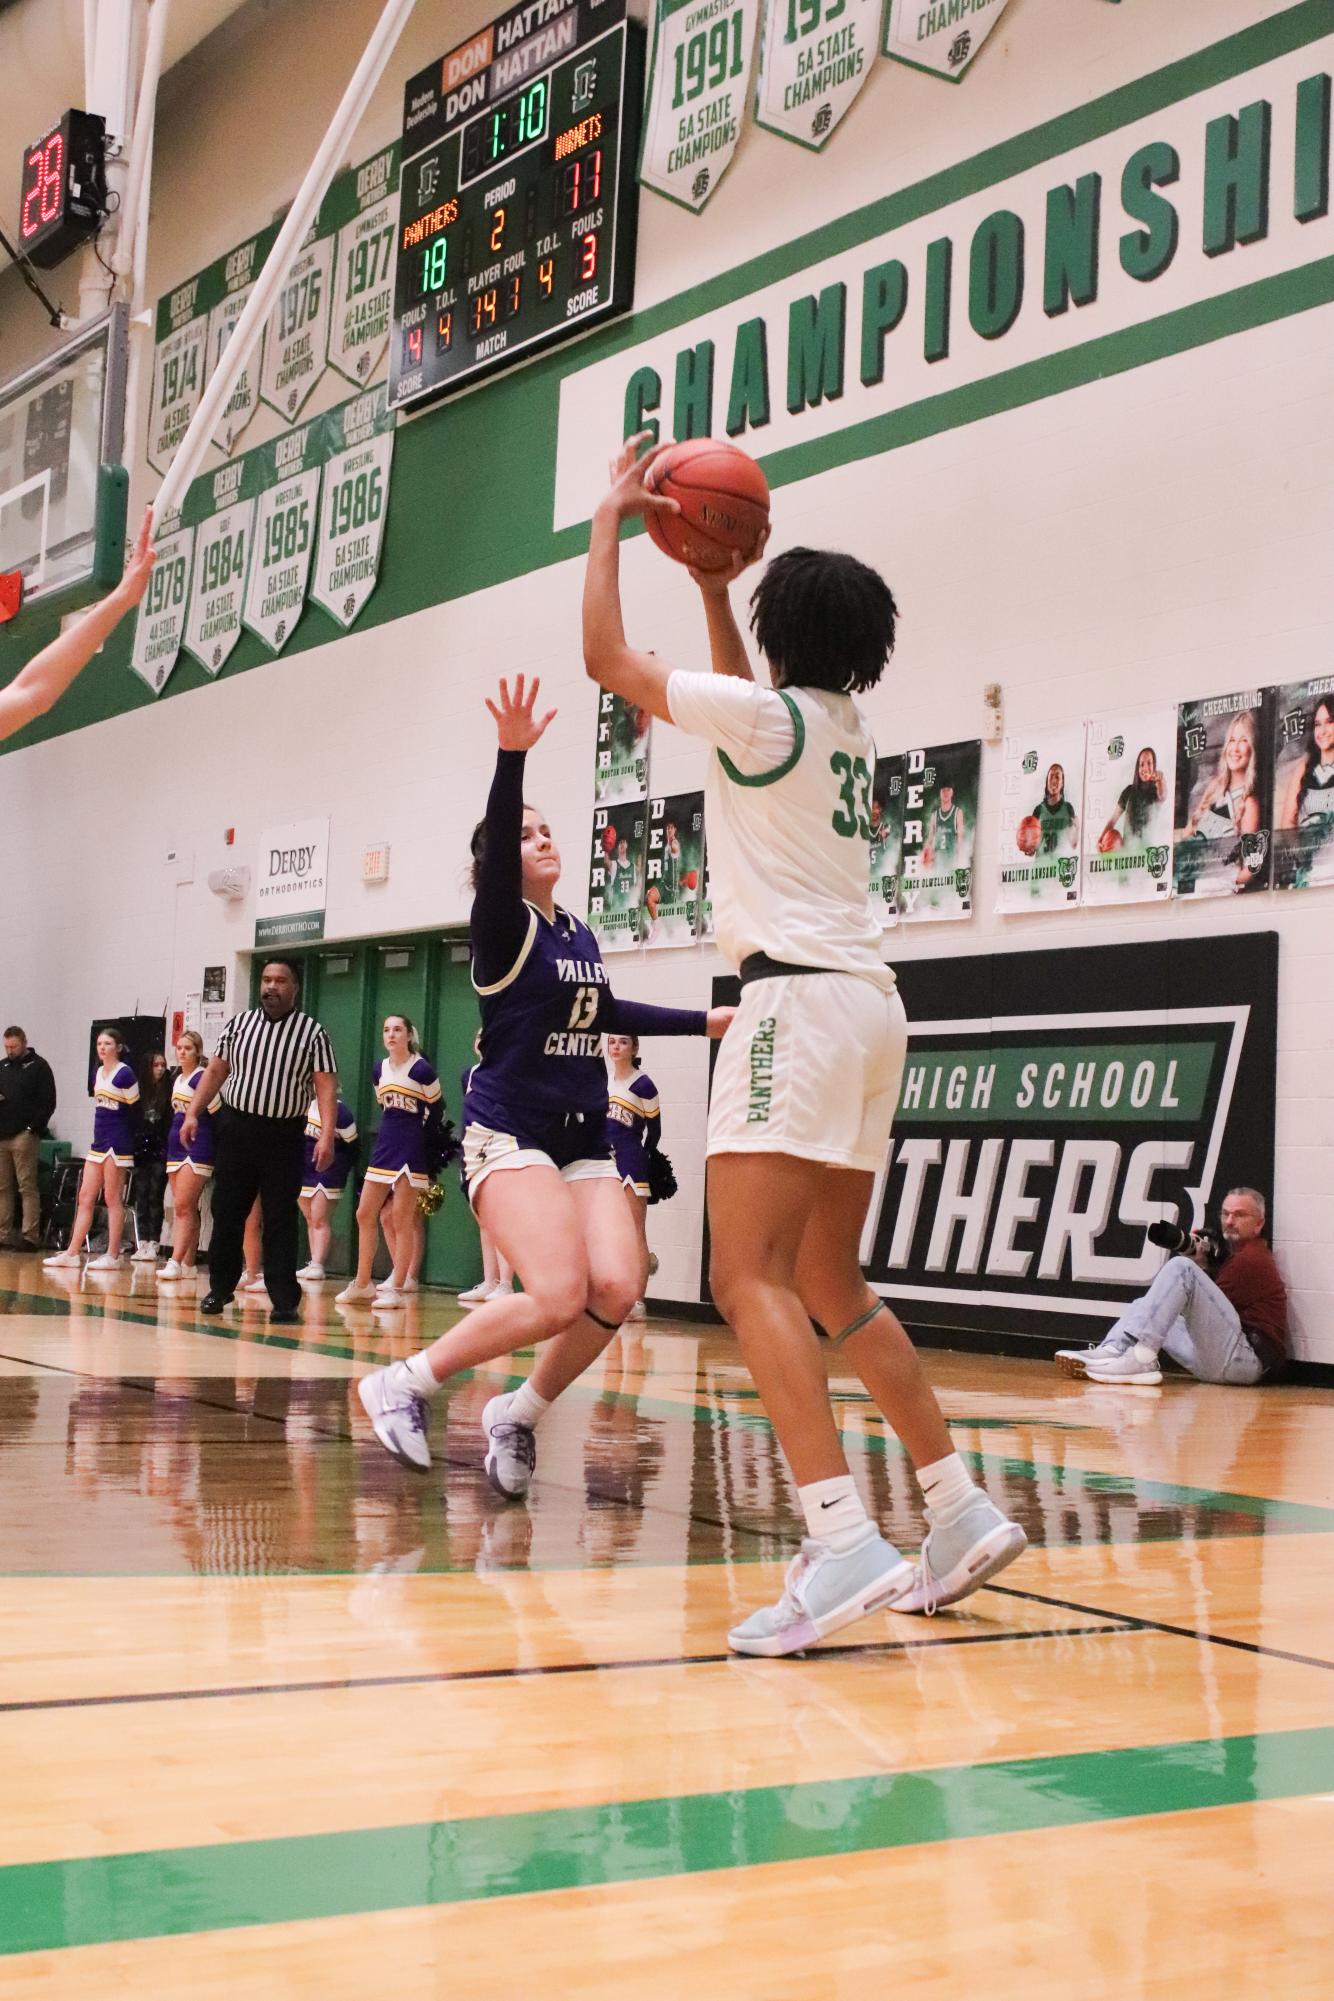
point(273, 1063)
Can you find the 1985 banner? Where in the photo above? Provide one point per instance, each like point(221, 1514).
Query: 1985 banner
point(1054, 1105)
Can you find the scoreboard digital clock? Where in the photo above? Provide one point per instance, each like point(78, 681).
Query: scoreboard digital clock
point(517, 200)
point(63, 193)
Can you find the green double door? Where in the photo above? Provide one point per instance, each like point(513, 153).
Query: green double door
point(351, 988)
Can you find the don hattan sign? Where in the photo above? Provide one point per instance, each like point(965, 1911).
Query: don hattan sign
point(1054, 1105)
point(293, 878)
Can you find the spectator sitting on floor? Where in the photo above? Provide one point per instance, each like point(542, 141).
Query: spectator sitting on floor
point(1220, 1312)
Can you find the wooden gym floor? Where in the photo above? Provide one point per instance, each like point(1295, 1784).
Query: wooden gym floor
point(277, 1717)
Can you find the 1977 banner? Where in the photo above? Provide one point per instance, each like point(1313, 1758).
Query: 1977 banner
point(1054, 1105)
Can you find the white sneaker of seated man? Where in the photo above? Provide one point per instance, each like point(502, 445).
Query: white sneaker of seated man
point(1136, 1364)
point(1075, 1361)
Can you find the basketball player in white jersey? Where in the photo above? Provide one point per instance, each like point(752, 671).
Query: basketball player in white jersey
point(807, 1082)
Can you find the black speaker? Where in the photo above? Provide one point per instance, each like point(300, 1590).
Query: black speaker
point(144, 1035)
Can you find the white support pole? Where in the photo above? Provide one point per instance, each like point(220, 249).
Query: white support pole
point(141, 145)
point(190, 452)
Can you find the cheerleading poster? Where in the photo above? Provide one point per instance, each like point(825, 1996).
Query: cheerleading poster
point(940, 790)
point(1128, 789)
point(1304, 784)
point(616, 875)
point(1222, 838)
point(1042, 807)
point(674, 869)
point(886, 838)
point(621, 770)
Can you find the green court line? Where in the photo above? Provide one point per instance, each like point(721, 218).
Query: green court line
point(163, 1893)
point(1296, 1517)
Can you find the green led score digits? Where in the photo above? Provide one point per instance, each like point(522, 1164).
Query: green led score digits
point(435, 257)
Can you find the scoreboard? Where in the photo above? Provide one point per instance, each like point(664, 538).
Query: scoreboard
point(517, 201)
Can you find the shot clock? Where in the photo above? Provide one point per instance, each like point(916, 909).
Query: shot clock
point(63, 191)
point(517, 200)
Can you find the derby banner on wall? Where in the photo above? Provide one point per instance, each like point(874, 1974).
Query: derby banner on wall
point(1128, 791)
point(296, 334)
point(886, 838)
point(942, 36)
point(621, 766)
point(289, 478)
point(180, 363)
point(1304, 784)
point(674, 869)
point(1053, 1106)
point(698, 81)
point(224, 539)
point(616, 875)
point(160, 627)
point(940, 788)
point(360, 440)
point(240, 268)
point(815, 55)
point(364, 209)
point(293, 878)
point(1040, 819)
point(1223, 792)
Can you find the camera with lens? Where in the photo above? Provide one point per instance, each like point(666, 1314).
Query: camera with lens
point(1183, 1243)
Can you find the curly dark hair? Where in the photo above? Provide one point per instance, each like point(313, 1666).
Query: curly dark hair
point(824, 620)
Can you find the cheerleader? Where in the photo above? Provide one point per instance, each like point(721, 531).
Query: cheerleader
point(407, 1090)
point(110, 1158)
point(539, 1172)
point(322, 1188)
point(634, 1131)
point(189, 1169)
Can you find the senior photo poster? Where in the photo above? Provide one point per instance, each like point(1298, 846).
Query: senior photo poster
point(616, 875)
point(887, 838)
point(1304, 784)
point(1223, 791)
point(1042, 798)
point(940, 792)
point(674, 869)
point(1129, 786)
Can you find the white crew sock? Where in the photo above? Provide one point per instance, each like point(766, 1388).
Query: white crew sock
point(834, 1513)
point(948, 1487)
point(416, 1375)
point(526, 1406)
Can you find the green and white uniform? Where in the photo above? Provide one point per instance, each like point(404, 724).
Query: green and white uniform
point(812, 1064)
point(1057, 824)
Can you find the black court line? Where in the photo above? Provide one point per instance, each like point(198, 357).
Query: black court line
point(1135, 1623)
point(867, 1648)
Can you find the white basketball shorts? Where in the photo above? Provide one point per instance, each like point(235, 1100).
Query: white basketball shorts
point(811, 1066)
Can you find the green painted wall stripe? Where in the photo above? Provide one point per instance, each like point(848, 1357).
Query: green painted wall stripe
point(98, 1900)
point(450, 534)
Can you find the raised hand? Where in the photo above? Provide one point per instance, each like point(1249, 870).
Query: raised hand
point(139, 563)
point(717, 583)
point(630, 494)
point(516, 726)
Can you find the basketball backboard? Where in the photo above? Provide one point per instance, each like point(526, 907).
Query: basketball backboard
point(61, 422)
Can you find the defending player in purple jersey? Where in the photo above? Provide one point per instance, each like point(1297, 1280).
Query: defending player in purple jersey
point(539, 1171)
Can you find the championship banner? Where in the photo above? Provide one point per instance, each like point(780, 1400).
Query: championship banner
point(941, 36)
point(621, 768)
point(696, 97)
point(886, 838)
point(1042, 800)
point(1128, 792)
point(180, 363)
point(296, 333)
point(359, 438)
point(160, 626)
point(940, 789)
point(1054, 1105)
point(1304, 784)
point(814, 58)
point(223, 542)
point(674, 868)
point(363, 209)
point(240, 268)
point(292, 883)
point(616, 875)
point(1223, 790)
point(289, 481)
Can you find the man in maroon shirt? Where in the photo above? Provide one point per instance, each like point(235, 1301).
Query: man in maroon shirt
point(1228, 1327)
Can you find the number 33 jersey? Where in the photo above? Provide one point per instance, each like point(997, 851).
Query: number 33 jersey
point(788, 821)
point(542, 1028)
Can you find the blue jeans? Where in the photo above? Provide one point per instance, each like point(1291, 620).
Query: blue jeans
point(1184, 1313)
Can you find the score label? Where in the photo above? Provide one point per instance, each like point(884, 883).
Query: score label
point(516, 212)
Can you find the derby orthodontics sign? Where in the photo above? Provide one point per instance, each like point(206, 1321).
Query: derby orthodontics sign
point(1177, 210)
point(293, 883)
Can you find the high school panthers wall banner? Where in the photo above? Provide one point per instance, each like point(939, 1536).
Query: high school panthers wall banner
point(1054, 1105)
point(698, 77)
point(942, 36)
point(815, 55)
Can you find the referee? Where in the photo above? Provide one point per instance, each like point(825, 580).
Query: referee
point(267, 1063)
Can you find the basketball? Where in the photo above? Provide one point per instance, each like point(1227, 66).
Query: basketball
point(1028, 834)
point(724, 502)
point(691, 878)
point(609, 839)
point(1109, 841)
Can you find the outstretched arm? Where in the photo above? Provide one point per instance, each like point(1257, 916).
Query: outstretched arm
point(499, 922)
point(627, 1017)
point(39, 686)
